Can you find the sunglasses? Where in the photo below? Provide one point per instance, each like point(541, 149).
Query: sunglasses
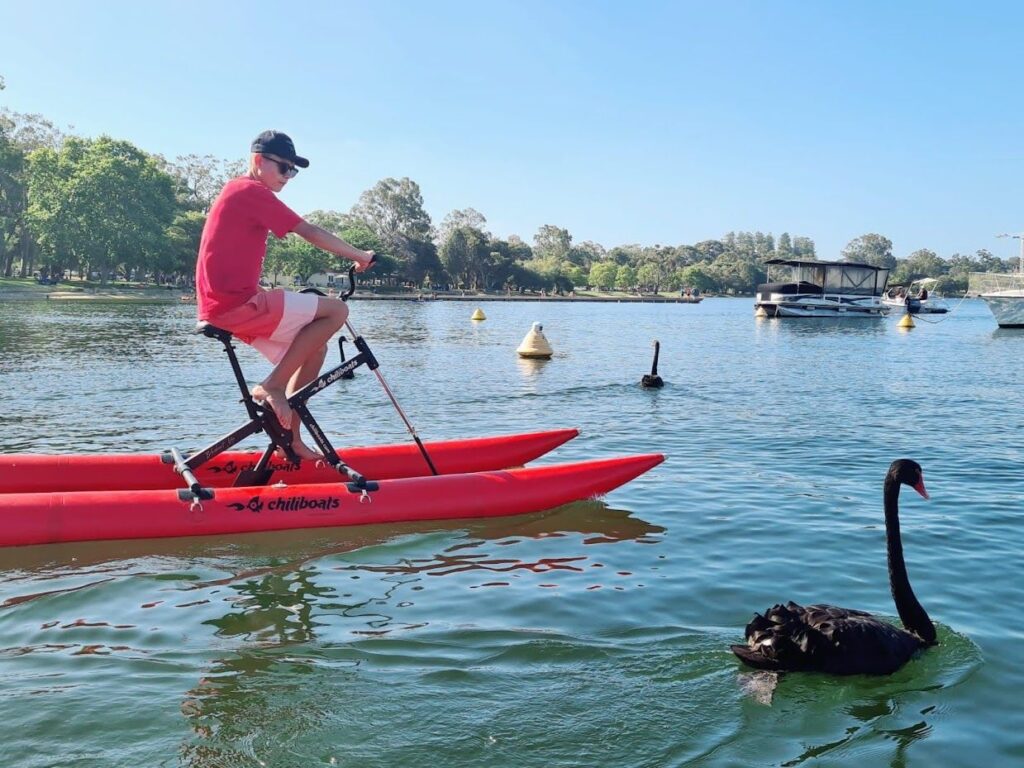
point(287, 170)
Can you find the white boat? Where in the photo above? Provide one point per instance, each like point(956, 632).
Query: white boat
point(1004, 294)
point(918, 298)
point(800, 288)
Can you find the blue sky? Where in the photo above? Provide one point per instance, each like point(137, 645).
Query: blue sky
point(645, 122)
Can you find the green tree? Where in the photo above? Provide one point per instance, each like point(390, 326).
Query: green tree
point(517, 249)
point(552, 243)
point(803, 248)
point(102, 203)
point(735, 275)
point(423, 261)
point(504, 262)
point(178, 256)
point(921, 263)
point(602, 275)
point(709, 250)
point(686, 255)
point(301, 259)
point(625, 277)
point(698, 276)
point(455, 255)
point(872, 249)
point(987, 262)
point(393, 210)
point(24, 133)
point(625, 254)
point(577, 275)
point(12, 199)
point(586, 253)
point(467, 217)
point(361, 236)
point(335, 221)
point(357, 233)
point(200, 178)
point(479, 264)
point(961, 266)
point(649, 277)
point(553, 271)
point(29, 131)
point(784, 249)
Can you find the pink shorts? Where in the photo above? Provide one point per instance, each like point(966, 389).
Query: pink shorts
point(270, 320)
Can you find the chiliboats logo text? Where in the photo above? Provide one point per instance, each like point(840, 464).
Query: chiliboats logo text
point(292, 504)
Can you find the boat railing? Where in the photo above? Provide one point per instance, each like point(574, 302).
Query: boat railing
point(994, 282)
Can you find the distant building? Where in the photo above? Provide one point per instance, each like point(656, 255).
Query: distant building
point(337, 280)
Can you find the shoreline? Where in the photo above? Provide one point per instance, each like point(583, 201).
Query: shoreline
point(155, 298)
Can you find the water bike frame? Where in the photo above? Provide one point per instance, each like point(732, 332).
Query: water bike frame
point(263, 419)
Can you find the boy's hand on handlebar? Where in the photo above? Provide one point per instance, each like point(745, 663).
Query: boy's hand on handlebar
point(362, 266)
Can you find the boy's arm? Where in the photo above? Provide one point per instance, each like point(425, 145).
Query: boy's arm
point(321, 238)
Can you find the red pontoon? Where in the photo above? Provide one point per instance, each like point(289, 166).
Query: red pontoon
point(48, 517)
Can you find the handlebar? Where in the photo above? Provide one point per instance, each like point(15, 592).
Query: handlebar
point(352, 278)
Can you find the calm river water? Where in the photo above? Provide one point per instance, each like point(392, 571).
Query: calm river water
point(592, 635)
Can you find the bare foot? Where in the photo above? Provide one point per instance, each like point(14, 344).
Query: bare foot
point(305, 452)
point(277, 400)
point(302, 450)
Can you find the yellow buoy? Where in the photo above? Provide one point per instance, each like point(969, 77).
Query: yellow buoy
point(534, 344)
point(760, 312)
point(478, 315)
point(906, 321)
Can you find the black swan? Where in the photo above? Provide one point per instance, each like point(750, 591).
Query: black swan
point(840, 641)
point(341, 349)
point(653, 380)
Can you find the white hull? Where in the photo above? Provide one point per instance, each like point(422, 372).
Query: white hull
point(782, 305)
point(1007, 307)
point(917, 306)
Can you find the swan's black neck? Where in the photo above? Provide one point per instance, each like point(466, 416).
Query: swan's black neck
point(654, 365)
point(913, 616)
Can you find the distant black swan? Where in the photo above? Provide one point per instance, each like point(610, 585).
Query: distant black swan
point(840, 641)
point(653, 380)
point(341, 350)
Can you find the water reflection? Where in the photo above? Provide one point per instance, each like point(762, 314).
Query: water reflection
point(869, 713)
point(245, 698)
point(594, 519)
point(274, 608)
point(531, 368)
point(821, 326)
point(254, 703)
point(284, 585)
point(1007, 334)
point(863, 708)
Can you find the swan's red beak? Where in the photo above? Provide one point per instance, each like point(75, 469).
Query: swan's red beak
point(920, 487)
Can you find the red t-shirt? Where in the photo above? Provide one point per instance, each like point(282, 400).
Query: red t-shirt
point(234, 244)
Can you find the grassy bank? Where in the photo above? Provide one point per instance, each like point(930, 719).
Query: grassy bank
point(28, 288)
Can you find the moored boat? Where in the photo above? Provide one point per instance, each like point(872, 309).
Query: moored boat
point(1003, 292)
point(803, 288)
point(918, 298)
point(44, 518)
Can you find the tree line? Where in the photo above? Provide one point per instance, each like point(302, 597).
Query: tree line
point(105, 208)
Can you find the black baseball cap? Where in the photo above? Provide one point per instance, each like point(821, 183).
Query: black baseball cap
point(280, 144)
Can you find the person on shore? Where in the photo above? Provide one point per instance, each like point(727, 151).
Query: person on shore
point(290, 329)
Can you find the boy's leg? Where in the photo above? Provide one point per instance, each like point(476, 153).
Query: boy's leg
point(309, 344)
point(308, 371)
